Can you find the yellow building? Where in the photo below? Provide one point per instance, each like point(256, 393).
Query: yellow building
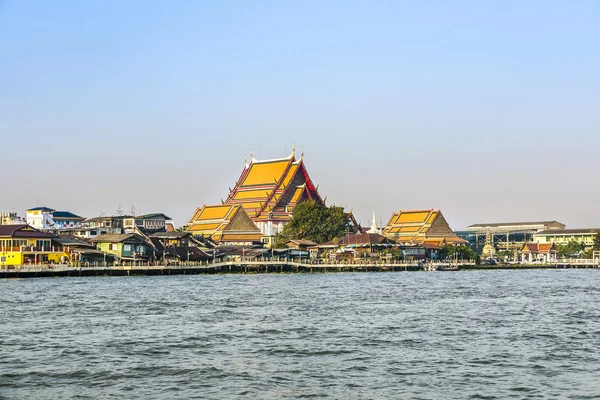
point(268, 190)
point(565, 236)
point(226, 223)
point(420, 227)
point(23, 244)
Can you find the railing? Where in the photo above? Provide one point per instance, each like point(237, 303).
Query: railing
point(333, 264)
point(244, 263)
point(29, 249)
point(561, 261)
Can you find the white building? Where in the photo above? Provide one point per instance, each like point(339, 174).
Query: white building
point(45, 218)
point(40, 217)
point(11, 218)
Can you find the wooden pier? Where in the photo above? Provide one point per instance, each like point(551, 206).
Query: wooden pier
point(237, 267)
point(233, 267)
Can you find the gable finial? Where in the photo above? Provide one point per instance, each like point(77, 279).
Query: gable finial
point(245, 160)
point(302, 154)
point(294, 149)
point(251, 156)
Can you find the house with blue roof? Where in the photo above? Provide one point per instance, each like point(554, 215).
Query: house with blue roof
point(46, 218)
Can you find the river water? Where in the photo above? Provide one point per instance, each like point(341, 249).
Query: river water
point(436, 335)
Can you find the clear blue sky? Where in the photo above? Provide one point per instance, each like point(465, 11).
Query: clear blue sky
point(489, 111)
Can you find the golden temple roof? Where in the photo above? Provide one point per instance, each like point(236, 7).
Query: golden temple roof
point(278, 184)
point(225, 222)
point(420, 226)
point(266, 173)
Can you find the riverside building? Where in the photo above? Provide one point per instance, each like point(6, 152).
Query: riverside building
point(421, 227)
point(23, 244)
point(507, 235)
point(225, 223)
point(268, 191)
point(565, 236)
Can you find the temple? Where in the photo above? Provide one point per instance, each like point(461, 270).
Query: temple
point(421, 227)
point(226, 223)
point(268, 190)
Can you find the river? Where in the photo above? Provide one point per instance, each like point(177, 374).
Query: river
point(436, 335)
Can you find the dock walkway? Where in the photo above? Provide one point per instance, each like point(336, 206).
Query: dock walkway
point(263, 266)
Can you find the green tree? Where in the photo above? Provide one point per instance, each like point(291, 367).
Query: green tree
point(464, 252)
point(565, 250)
point(316, 222)
point(597, 241)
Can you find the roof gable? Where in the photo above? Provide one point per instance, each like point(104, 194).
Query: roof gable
point(23, 231)
point(266, 187)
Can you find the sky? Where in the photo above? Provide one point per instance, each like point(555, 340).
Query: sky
point(488, 111)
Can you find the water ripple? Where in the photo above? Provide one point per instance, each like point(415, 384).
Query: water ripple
point(475, 335)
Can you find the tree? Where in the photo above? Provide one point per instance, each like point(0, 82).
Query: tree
point(464, 252)
point(597, 241)
point(566, 250)
point(316, 222)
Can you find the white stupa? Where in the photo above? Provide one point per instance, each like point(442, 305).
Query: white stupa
point(374, 228)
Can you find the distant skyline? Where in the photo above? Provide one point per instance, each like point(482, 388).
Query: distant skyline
point(486, 111)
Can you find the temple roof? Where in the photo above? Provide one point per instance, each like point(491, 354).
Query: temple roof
point(269, 189)
point(538, 248)
point(419, 226)
point(215, 222)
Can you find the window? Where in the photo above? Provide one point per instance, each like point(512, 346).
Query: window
point(127, 247)
point(42, 243)
point(112, 246)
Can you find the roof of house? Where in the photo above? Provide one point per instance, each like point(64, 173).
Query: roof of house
point(40, 209)
point(117, 238)
point(584, 231)
point(23, 231)
point(359, 239)
point(170, 235)
point(72, 241)
point(152, 215)
point(183, 253)
point(302, 242)
point(501, 224)
point(108, 217)
point(364, 238)
point(65, 215)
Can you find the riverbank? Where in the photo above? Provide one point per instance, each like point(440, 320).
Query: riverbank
point(42, 271)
